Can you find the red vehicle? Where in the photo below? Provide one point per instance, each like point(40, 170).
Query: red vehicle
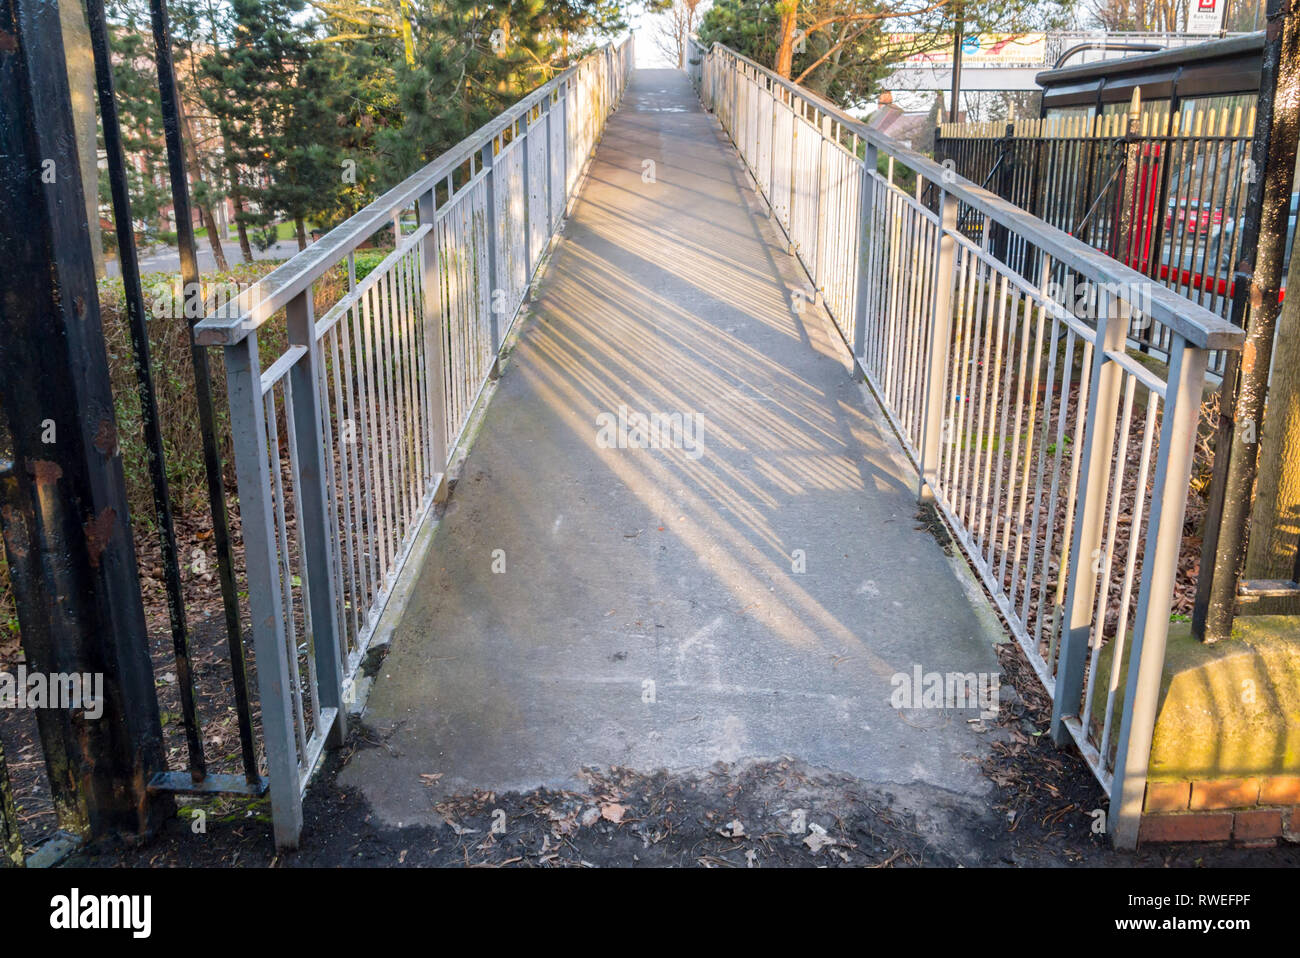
point(1190, 216)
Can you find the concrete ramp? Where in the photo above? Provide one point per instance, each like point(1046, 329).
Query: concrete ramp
point(682, 535)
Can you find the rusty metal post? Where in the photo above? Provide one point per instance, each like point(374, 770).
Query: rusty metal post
point(67, 532)
point(1257, 282)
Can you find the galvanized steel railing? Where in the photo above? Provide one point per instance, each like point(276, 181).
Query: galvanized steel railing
point(344, 434)
point(1060, 462)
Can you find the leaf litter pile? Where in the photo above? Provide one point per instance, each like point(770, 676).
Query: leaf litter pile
point(762, 814)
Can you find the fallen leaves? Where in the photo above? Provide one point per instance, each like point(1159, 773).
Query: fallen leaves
point(817, 838)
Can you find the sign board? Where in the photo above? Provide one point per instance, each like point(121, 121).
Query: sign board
point(977, 49)
point(1205, 16)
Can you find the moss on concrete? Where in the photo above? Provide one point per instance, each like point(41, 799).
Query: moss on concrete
point(1230, 709)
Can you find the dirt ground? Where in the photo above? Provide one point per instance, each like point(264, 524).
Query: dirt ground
point(776, 813)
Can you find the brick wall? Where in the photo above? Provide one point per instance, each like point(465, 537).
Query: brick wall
point(1252, 812)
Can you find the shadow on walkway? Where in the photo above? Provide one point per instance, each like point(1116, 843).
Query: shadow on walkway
point(651, 612)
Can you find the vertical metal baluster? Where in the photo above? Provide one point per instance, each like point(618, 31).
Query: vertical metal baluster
point(304, 583)
point(940, 323)
point(252, 460)
point(1108, 549)
point(289, 648)
point(317, 540)
point(348, 596)
point(1159, 570)
point(1135, 526)
point(1113, 322)
point(488, 156)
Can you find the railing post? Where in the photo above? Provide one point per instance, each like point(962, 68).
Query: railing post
point(940, 335)
point(790, 198)
point(316, 539)
point(862, 298)
point(524, 131)
point(435, 392)
point(252, 468)
point(563, 104)
point(1084, 559)
point(1159, 568)
point(823, 161)
point(63, 499)
point(488, 157)
point(549, 132)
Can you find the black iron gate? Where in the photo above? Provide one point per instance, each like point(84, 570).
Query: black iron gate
point(63, 507)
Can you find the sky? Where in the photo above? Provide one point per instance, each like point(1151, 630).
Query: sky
point(646, 27)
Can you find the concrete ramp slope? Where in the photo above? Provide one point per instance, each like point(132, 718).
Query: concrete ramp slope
point(682, 534)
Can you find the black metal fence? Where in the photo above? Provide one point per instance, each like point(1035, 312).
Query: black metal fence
point(1164, 192)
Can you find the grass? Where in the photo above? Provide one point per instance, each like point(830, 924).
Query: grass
point(283, 231)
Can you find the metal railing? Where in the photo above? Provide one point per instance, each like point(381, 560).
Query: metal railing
point(1058, 42)
point(344, 433)
point(1162, 191)
point(1060, 462)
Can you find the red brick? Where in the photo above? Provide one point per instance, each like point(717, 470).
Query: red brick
point(1225, 793)
point(1186, 827)
point(1168, 796)
point(1257, 824)
point(1280, 790)
point(1291, 824)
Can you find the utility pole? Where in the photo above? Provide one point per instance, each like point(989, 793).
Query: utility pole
point(959, 27)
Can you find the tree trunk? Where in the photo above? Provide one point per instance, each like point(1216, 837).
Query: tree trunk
point(205, 208)
point(785, 50)
point(301, 225)
point(237, 198)
point(1275, 519)
point(245, 247)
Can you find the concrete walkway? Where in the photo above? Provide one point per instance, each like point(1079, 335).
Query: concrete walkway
point(649, 613)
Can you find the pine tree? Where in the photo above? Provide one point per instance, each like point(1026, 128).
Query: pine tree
point(306, 172)
point(474, 59)
point(136, 86)
point(252, 92)
point(136, 80)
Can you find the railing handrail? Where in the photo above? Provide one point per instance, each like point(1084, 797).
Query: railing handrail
point(986, 378)
point(345, 427)
point(1196, 324)
point(231, 322)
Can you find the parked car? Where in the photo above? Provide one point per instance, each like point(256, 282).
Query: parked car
point(1195, 271)
point(1192, 216)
